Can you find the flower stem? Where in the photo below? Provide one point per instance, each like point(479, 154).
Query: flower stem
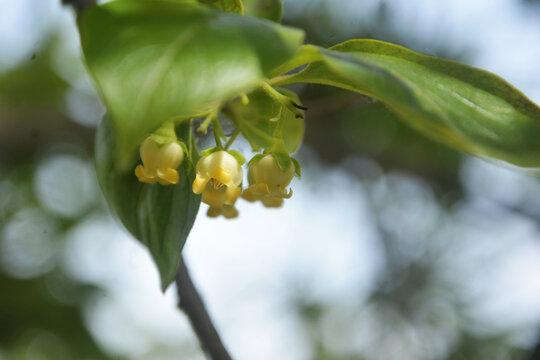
point(217, 131)
point(203, 128)
point(244, 99)
point(285, 101)
point(279, 127)
point(232, 138)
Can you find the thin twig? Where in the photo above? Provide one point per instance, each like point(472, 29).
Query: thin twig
point(79, 5)
point(232, 138)
point(191, 304)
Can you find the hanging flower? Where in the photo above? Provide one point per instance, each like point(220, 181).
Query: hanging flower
point(268, 183)
point(219, 179)
point(159, 162)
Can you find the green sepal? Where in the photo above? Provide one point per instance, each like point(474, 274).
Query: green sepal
point(209, 151)
point(185, 148)
point(283, 161)
point(280, 153)
point(239, 157)
point(255, 158)
point(297, 167)
point(165, 134)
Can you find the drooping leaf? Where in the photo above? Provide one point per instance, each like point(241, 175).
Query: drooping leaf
point(162, 59)
point(252, 120)
point(160, 217)
point(234, 6)
point(265, 9)
point(464, 107)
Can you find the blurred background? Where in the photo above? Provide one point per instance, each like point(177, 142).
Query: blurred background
point(392, 247)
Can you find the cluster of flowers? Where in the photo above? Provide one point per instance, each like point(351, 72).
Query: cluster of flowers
point(219, 176)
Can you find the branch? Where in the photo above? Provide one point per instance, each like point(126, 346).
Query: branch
point(191, 304)
point(79, 5)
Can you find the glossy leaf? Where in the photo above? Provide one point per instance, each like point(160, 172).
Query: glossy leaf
point(253, 121)
point(226, 5)
point(159, 216)
point(265, 9)
point(162, 59)
point(467, 108)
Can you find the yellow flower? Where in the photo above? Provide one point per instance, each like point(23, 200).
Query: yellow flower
point(159, 162)
point(268, 182)
point(219, 179)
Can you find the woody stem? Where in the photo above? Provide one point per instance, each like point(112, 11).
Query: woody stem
point(191, 304)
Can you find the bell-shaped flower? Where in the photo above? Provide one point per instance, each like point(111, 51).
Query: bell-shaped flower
point(268, 183)
point(219, 179)
point(159, 162)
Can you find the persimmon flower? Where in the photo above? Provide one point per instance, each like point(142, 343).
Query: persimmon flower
point(268, 183)
point(159, 162)
point(219, 179)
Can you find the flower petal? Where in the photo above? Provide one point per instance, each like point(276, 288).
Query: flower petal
point(144, 176)
point(221, 175)
point(168, 176)
point(231, 194)
point(229, 211)
point(272, 201)
point(213, 198)
point(199, 184)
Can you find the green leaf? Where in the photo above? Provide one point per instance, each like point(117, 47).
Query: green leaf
point(253, 121)
point(234, 6)
point(158, 60)
point(265, 9)
point(464, 107)
point(160, 217)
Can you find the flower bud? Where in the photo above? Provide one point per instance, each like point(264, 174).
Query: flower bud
point(159, 162)
point(268, 182)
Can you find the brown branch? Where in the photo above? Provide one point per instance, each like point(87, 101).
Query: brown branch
point(191, 304)
point(79, 5)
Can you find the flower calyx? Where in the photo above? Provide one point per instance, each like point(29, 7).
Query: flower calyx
point(161, 154)
point(268, 180)
point(219, 179)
